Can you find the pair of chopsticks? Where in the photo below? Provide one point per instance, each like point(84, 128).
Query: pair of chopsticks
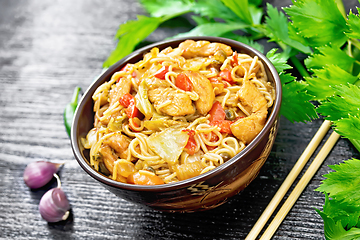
point(305, 179)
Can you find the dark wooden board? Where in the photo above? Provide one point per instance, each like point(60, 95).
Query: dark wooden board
point(49, 47)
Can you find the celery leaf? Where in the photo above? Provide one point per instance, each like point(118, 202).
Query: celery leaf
point(348, 215)
point(279, 60)
point(349, 127)
point(321, 82)
point(214, 9)
point(335, 231)
point(131, 34)
point(212, 29)
point(344, 110)
point(276, 24)
point(240, 8)
point(342, 184)
point(245, 40)
point(256, 13)
point(317, 21)
point(157, 8)
point(341, 210)
point(345, 102)
point(296, 109)
point(354, 25)
point(329, 55)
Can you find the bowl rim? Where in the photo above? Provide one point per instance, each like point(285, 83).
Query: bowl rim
point(105, 75)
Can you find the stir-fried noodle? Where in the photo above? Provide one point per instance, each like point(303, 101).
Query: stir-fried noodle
point(178, 113)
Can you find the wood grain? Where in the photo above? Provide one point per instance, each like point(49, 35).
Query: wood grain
point(49, 47)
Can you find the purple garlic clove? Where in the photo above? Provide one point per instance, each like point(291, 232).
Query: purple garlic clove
point(54, 205)
point(38, 174)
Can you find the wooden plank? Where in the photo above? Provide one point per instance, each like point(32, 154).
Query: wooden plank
point(49, 47)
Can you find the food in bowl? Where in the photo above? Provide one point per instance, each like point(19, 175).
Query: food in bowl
point(178, 113)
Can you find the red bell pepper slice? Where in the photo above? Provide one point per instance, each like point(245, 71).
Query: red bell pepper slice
point(226, 75)
point(216, 112)
point(183, 82)
point(132, 111)
point(128, 101)
point(224, 125)
point(191, 144)
point(162, 72)
point(217, 118)
point(235, 60)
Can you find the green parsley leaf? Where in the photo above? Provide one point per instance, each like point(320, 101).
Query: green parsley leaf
point(296, 109)
point(213, 29)
point(321, 82)
point(279, 60)
point(241, 9)
point(157, 8)
point(354, 25)
point(329, 55)
point(317, 21)
point(276, 24)
point(131, 34)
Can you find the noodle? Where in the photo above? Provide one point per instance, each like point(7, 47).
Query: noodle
point(176, 113)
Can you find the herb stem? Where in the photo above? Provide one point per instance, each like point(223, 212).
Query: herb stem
point(341, 7)
point(302, 70)
point(355, 42)
point(357, 83)
point(296, 62)
point(356, 143)
point(257, 36)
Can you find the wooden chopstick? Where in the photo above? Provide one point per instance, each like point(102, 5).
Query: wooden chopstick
point(299, 165)
point(314, 166)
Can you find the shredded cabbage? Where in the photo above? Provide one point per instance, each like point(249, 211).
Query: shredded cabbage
point(168, 144)
point(142, 101)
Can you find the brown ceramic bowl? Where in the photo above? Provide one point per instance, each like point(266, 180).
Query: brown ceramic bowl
point(203, 192)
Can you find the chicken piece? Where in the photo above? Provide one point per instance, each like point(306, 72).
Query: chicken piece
point(108, 156)
point(171, 102)
point(251, 98)
point(203, 87)
point(153, 83)
point(193, 48)
point(246, 129)
point(121, 87)
point(124, 168)
point(119, 143)
point(113, 148)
